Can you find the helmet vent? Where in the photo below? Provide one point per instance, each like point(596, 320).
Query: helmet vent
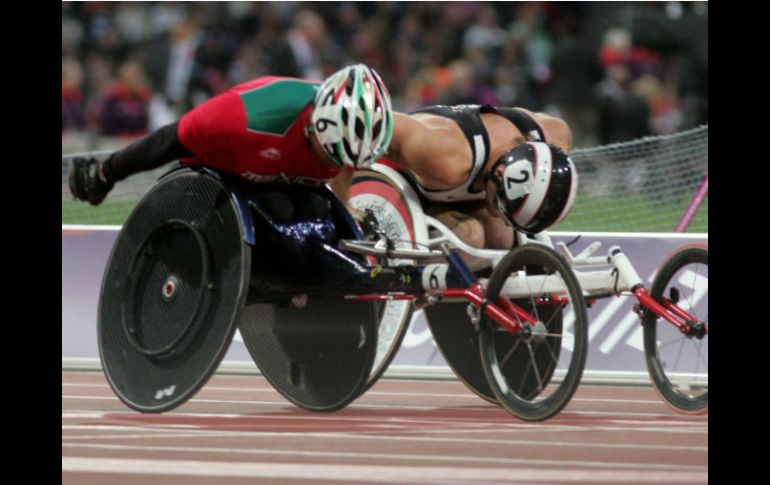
point(349, 85)
point(348, 151)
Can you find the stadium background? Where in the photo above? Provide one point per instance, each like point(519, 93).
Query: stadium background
point(631, 80)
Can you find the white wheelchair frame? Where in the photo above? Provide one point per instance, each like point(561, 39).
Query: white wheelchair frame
point(598, 276)
point(618, 275)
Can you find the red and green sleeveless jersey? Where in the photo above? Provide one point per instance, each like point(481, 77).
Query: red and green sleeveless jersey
point(256, 130)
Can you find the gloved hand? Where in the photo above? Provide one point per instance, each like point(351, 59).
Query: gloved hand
point(85, 182)
point(367, 222)
point(370, 226)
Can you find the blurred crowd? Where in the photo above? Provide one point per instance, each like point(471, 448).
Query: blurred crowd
point(614, 71)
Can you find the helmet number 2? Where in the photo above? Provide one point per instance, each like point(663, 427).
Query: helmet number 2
point(511, 180)
point(518, 179)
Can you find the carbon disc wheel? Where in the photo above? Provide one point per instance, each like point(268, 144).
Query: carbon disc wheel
point(172, 293)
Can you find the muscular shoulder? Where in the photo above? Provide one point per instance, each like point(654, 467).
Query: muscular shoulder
point(431, 147)
point(556, 130)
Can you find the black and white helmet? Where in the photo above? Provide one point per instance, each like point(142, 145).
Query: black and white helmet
point(533, 186)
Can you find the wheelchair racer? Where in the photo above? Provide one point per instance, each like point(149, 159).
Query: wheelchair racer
point(270, 130)
point(480, 169)
point(483, 170)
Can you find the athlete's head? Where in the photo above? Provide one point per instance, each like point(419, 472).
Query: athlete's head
point(532, 187)
point(352, 118)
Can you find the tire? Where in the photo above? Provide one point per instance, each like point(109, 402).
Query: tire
point(399, 216)
point(541, 390)
point(677, 362)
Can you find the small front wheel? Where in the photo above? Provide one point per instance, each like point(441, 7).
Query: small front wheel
point(534, 374)
point(678, 362)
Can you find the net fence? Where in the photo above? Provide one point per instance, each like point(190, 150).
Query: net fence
point(643, 185)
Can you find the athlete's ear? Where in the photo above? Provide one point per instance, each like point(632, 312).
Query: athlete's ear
point(491, 196)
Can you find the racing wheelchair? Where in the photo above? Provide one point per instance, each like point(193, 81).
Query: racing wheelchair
point(321, 302)
point(673, 312)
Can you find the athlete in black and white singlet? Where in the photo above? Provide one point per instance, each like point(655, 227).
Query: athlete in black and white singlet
point(467, 117)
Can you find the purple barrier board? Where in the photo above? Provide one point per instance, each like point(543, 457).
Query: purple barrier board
point(615, 333)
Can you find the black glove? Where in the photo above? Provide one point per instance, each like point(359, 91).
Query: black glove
point(370, 226)
point(85, 183)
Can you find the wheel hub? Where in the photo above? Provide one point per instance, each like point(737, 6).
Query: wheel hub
point(697, 330)
point(169, 288)
point(533, 333)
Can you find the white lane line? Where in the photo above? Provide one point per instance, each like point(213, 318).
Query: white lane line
point(382, 474)
point(429, 436)
point(389, 428)
point(440, 425)
point(485, 408)
point(533, 443)
point(463, 395)
point(154, 433)
point(147, 433)
point(311, 419)
point(252, 378)
point(503, 419)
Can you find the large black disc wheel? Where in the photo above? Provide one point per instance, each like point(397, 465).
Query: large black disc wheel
point(173, 291)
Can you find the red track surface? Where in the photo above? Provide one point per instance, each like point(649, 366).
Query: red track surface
point(239, 430)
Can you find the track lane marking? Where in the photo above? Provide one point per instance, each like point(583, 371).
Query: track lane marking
point(383, 474)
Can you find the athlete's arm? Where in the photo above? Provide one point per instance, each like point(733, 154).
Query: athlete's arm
point(341, 184)
point(429, 150)
point(411, 141)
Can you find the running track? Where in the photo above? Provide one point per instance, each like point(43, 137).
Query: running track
point(239, 430)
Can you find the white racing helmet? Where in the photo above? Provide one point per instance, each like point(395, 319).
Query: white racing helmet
point(533, 186)
point(352, 117)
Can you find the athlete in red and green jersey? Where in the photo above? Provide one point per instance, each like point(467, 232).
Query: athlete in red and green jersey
point(256, 130)
point(272, 129)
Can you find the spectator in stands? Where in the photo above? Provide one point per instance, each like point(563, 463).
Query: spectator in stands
point(665, 112)
point(299, 53)
point(72, 100)
point(124, 110)
point(485, 33)
point(575, 71)
point(465, 87)
point(618, 48)
point(410, 43)
point(622, 114)
point(171, 63)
